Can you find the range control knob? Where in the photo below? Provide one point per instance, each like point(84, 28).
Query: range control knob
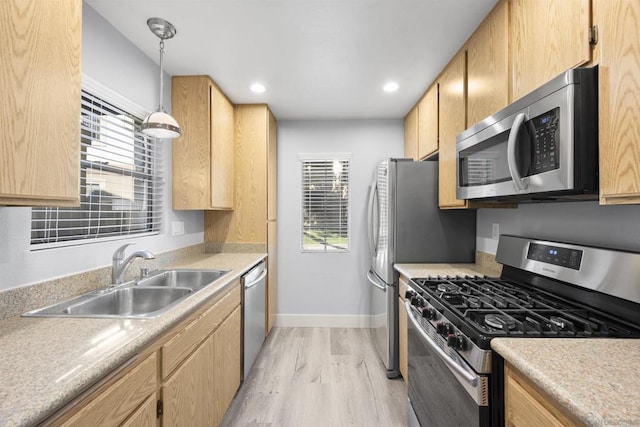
point(444, 328)
point(409, 294)
point(415, 300)
point(430, 313)
point(456, 341)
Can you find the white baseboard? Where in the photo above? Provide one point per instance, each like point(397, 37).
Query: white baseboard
point(322, 321)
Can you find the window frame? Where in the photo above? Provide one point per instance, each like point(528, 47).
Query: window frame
point(157, 214)
point(330, 158)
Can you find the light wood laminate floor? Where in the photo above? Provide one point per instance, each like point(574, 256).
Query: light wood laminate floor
point(318, 377)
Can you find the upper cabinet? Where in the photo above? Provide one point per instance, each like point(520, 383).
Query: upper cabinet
point(40, 113)
point(452, 121)
point(411, 134)
point(618, 23)
point(547, 38)
point(421, 126)
point(488, 66)
point(202, 158)
point(428, 123)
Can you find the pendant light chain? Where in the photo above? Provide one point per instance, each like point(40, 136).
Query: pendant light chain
point(161, 107)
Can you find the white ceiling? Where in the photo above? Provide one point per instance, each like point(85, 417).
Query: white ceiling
point(319, 59)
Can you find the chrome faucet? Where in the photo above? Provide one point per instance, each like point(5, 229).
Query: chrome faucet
point(120, 263)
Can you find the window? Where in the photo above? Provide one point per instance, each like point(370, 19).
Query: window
point(120, 180)
point(325, 202)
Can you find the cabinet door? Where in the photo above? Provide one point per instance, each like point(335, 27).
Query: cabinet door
point(402, 339)
point(226, 365)
point(191, 152)
point(428, 123)
point(120, 400)
point(272, 277)
point(411, 134)
point(145, 416)
point(488, 66)
point(618, 24)
point(547, 38)
point(189, 394)
point(222, 159)
point(525, 406)
point(452, 122)
point(272, 168)
point(40, 113)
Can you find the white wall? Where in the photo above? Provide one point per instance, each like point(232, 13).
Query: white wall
point(578, 222)
point(328, 289)
point(110, 59)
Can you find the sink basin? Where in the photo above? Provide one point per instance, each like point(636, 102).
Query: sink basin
point(129, 302)
point(194, 279)
point(148, 297)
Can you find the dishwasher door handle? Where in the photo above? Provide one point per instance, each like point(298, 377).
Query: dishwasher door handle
point(258, 280)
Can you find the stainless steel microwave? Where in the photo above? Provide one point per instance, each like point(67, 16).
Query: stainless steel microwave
point(544, 146)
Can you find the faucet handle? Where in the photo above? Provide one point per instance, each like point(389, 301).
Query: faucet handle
point(119, 253)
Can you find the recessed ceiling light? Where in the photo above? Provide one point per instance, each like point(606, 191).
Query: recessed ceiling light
point(390, 87)
point(257, 88)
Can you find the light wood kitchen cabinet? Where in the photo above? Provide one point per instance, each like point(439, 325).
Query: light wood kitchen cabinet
point(428, 123)
point(254, 216)
point(145, 416)
point(118, 401)
point(547, 37)
point(488, 66)
point(452, 121)
point(526, 405)
point(201, 389)
point(402, 328)
point(618, 23)
point(202, 158)
point(411, 134)
point(40, 113)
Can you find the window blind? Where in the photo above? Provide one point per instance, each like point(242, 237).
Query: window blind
point(325, 203)
point(121, 181)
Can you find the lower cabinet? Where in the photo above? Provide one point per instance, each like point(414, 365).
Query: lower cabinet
point(188, 377)
point(525, 405)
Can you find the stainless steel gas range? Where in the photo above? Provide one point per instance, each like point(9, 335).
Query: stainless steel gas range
point(547, 289)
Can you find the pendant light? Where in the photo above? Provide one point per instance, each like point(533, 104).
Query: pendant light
point(160, 124)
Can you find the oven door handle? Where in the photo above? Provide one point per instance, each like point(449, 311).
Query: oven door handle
point(511, 152)
point(472, 380)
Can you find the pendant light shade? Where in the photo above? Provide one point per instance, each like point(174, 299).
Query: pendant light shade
point(160, 124)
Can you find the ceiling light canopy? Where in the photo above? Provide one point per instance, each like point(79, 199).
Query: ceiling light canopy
point(160, 124)
point(390, 87)
point(257, 88)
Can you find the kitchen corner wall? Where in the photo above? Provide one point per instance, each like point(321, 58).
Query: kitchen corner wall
point(110, 59)
point(573, 222)
point(317, 289)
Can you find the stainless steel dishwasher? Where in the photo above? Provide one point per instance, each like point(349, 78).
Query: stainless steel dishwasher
point(253, 314)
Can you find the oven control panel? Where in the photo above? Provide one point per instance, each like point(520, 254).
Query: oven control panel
point(545, 142)
point(563, 257)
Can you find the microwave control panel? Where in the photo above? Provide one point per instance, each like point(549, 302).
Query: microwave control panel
point(545, 142)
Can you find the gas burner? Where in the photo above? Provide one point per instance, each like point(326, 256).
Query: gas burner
point(448, 287)
point(499, 321)
point(474, 302)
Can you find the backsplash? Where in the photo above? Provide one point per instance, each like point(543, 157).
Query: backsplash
point(16, 301)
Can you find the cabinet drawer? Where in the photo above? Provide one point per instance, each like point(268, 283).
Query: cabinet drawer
point(116, 403)
point(183, 344)
point(145, 416)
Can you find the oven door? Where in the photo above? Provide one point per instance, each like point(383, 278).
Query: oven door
point(443, 390)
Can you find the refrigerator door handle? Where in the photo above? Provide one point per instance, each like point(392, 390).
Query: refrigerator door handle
point(376, 282)
point(373, 189)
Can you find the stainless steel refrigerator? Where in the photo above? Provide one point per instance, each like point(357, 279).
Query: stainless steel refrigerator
point(406, 226)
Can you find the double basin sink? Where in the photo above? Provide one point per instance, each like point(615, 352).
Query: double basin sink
point(144, 298)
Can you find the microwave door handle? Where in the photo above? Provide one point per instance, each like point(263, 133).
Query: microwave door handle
point(370, 231)
point(511, 152)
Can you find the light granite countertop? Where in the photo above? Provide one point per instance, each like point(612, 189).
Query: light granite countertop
point(424, 270)
point(597, 380)
point(46, 362)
